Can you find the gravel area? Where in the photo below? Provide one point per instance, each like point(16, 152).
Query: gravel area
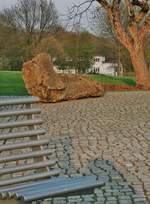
point(108, 136)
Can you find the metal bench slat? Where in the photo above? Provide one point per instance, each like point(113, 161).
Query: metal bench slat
point(20, 123)
point(33, 166)
point(20, 112)
point(24, 189)
point(23, 145)
point(21, 187)
point(17, 101)
point(62, 188)
point(51, 183)
point(10, 192)
point(26, 156)
point(28, 178)
point(22, 134)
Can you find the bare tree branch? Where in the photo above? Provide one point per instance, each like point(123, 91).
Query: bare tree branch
point(105, 4)
point(76, 13)
point(115, 17)
point(144, 6)
point(144, 31)
point(130, 9)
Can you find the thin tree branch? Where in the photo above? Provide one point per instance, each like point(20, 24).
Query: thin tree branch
point(144, 6)
point(145, 28)
point(105, 5)
point(130, 9)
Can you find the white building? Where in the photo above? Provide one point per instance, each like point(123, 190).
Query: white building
point(64, 71)
point(101, 67)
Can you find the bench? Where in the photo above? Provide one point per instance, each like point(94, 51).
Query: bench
point(26, 172)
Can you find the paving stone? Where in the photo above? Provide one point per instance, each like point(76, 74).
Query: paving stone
point(125, 202)
point(101, 198)
point(88, 198)
point(139, 202)
point(106, 136)
point(112, 199)
point(99, 202)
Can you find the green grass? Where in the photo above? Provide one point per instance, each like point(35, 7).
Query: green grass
point(114, 80)
point(11, 83)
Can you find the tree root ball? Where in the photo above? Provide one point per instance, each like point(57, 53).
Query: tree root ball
point(41, 80)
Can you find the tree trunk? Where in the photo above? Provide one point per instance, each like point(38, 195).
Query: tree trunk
point(140, 67)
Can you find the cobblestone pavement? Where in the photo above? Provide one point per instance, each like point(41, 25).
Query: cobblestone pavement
point(107, 136)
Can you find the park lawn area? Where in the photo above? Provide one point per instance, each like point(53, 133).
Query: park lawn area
point(128, 81)
point(11, 82)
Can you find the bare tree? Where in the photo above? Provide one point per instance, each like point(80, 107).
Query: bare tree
point(134, 36)
point(32, 20)
point(32, 16)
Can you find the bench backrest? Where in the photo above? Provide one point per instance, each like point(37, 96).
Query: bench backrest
point(23, 154)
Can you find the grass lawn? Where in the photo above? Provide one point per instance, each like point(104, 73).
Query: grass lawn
point(130, 81)
point(11, 82)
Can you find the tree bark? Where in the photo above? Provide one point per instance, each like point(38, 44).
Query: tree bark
point(141, 69)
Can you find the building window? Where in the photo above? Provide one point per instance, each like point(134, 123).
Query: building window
point(96, 59)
